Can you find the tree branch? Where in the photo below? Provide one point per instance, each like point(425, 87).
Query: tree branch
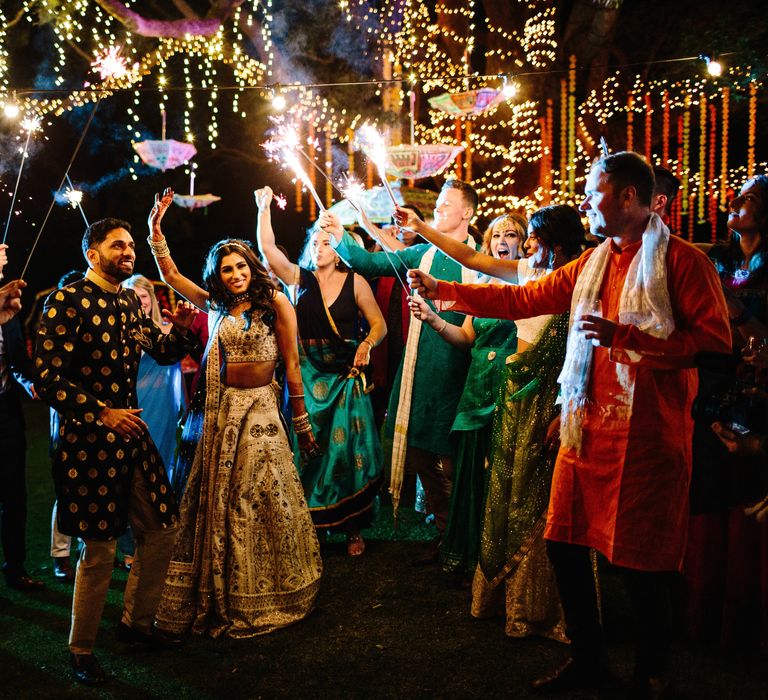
point(174, 29)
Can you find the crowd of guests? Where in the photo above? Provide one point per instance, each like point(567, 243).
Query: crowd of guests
point(541, 383)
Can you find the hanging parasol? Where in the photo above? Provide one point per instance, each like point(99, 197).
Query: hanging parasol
point(192, 200)
point(469, 103)
point(378, 205)
point(165, 154)
point(417, 161)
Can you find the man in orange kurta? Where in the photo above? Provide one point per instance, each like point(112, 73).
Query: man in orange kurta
point(625, 492)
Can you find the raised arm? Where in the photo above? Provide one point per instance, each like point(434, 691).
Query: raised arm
point(168, 271)
point(366, 302)
point(287, 271)
point(461, 253)
point(383, 237)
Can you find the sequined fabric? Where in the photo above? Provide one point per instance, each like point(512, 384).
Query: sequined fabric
point(246, 560)
point(512, 555)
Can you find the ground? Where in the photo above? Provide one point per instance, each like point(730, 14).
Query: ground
point(382, 629)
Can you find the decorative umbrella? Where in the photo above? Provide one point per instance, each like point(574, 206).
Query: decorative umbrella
point(470, 103)
point(165, 154)
point(416, 161)
point(378, 205)
point(192, 200)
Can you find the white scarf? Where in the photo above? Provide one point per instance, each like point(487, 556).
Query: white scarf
point(644, 303)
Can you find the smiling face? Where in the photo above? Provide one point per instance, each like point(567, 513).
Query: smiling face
point(114, 257)
point(749, 210)
point(451, 211)
point(537, 250)
point(235, 273)
point(601, 204)
point(323, 254)
point(145, 299)
point(504, 242)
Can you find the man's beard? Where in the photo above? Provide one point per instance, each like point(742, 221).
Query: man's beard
point(114, 270)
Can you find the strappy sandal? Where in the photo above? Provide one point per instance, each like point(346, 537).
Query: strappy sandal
point(355, 545)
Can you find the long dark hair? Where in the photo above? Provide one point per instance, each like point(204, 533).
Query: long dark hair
point(559, 224)
point(261, 291)
point(728, 257)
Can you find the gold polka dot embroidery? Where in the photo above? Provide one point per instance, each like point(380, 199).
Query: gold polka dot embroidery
point(111, 437)
point(115, 388)
point(82, 456)
point(81, 398)
point(85, 303)
point(97, 386)
point(89, 417)
point(153, 497)
point(58, 296)
point(163, 507)
point(48, 345)
point(38, 362)
point(97, 354)
point(69, 347)
point(153, 478)
point(163, 488)
point(105, 337)
point(83, 525)
point(93, 473)
point(111, 320)
point(102, 455)
point(87, 338)
point(112, 473)
point(339, 435)
point(106, 371)
point(61, 395)
point(96, 320)
point(102, 524)
point(71, 438)
point(103, 490)
point(102, 303)
point(60, 330)
point(56, 362)
point(120, 454)
point(111, 507)
point(87, 288)
point(113, 354)
point(83, 491)
point(71, 313)
point(73, 508)
point(51, 313)
point(93, 508)
point(91, 437)
point(86, 370)
point(72, 473)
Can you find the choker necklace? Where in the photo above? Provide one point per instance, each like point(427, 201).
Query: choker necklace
point(239, 299)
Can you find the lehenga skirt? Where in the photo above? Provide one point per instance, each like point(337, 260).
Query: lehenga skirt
point(246, 560)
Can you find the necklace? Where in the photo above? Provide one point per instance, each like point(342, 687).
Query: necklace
point(239, 299)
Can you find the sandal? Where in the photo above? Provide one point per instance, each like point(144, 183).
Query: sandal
point(355, 545)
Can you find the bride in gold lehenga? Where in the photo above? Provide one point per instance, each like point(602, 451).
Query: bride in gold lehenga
point(246, 559)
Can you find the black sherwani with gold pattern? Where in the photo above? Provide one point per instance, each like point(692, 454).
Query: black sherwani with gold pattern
point(87, 354)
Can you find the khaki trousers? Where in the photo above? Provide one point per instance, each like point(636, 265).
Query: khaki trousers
point(436, 473)
point(154, 545)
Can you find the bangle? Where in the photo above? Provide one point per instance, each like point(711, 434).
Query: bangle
point(304, 416)
point(742, 318)
point(366, 340)
point(444, 326)
point(295, 396)
point(159, 248)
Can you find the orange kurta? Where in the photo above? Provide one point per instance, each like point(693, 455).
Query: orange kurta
point(626, 494)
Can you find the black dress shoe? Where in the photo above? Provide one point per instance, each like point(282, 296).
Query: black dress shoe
point(22, 581)
point(63, 570)
point(157, 638)
point(572, 675)
point(86, 669)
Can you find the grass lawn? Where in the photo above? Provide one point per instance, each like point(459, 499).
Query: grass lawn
point(382, 629)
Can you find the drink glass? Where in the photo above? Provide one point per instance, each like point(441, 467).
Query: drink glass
point(590, 308)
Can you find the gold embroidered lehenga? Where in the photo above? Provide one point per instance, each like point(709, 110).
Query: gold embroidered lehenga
point(246, 559)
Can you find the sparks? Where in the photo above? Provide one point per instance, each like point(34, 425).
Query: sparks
point(30, 124)
point(73, 197)
point(280, 200)
point(110, 64)
point(353, 190)
point(371, 141)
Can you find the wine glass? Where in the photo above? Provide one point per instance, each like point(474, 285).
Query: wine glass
point(590, 307)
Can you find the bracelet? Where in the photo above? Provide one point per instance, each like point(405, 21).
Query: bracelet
point(366, 340)
point(295, 396)
point(303, 417)
point(439, 331)
point(159, 248)
point(302, 430)
point(742, 318)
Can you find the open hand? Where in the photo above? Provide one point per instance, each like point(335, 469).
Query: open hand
point(182, 317)
point(158, 212)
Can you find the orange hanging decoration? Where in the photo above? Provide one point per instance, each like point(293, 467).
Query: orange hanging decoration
point(648, 125)
point(563, 134)
point(701, 200)
point(630, 122)
point(468, 151)
point(684, 162)
point(549, 151)
point(751, 132)
point(350, 152)
point(678, 203)
point(725, 109)
point(328, 168)
point(712, 194)
point(665, 130)
point(299, 206)
point(458, 142)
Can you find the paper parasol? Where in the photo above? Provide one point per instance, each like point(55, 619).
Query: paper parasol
point(194, 201)
point(416, 161)
point(165, 154)
point(378, 205)
point(464, 104)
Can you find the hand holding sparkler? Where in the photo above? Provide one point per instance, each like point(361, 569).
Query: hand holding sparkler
point(10, 299)
point(158, 212)
point(407, 218)
point(264, 197)
point(330, 223)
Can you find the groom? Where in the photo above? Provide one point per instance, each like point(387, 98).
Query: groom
point(106, 469)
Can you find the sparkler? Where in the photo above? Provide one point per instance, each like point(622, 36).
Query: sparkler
point(352, 190)
point(283, 147)
point(110, 64)
point(280, 200)
point(30, 124)
point(604, 147)
point(75, 198)
point(372, 143)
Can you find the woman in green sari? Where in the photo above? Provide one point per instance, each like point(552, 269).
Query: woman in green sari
point(340, 484)
point(513, 571)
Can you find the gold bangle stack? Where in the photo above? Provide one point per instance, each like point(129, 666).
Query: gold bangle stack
point(301, 424)
point(442, 328)
point(159, 248)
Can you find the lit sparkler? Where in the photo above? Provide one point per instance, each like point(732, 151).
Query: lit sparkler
point(30, 125)
point(372, 143)
point(352, 190)
point(280, 200)
point(110, 64)
point(74, 197)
